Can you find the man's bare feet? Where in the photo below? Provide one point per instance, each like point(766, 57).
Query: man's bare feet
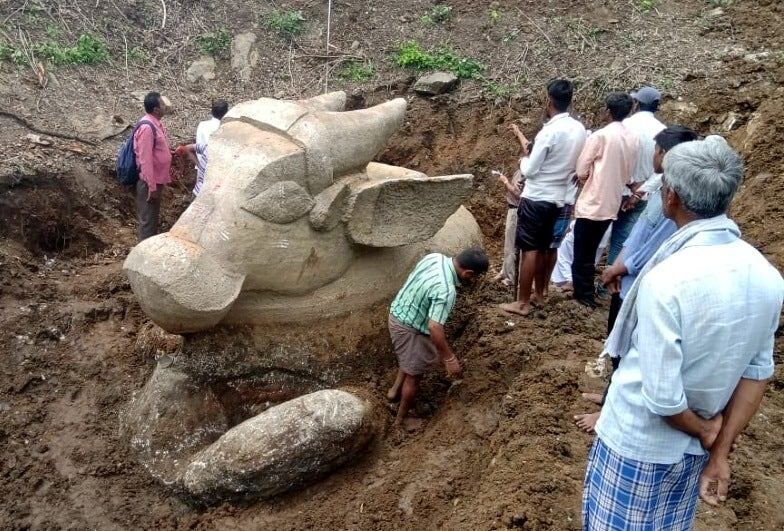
point(409, 424)
point(516, 308)
point(587, 421)
point(537, 301)
point(596, 398)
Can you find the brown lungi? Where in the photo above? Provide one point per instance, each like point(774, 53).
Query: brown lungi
point(414, 350)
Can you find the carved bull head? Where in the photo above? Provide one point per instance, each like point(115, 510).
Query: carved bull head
point(294, 222)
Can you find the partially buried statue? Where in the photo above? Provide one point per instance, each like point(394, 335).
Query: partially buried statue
point(293, 225)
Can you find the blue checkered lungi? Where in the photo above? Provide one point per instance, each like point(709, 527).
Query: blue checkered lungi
point(626, 495)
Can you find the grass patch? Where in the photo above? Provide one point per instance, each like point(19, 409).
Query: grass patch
point(411, 55)
point(287, 23)
point(215, 43)
point(438, 15)
point(647, 5)
point(88, 50)
point(497, 90)
point(357, 71)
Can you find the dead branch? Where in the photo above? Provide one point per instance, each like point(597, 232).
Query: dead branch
point(38, 130)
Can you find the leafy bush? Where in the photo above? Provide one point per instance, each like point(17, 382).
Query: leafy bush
point(411, 55)
point(438, 15)
point(88, 50)
point(357, 72)
point(287, 23)
point(215, 43)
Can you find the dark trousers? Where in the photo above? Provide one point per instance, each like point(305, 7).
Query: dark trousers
point(615, 306)
point(587, 237)
point(149, 211)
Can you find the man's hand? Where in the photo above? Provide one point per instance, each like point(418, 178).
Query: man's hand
point(452, 366)
point(524, 142)
point(611, 278)
point(503, 179)
point(629, 203)
point(715, 480)
point(710, 431)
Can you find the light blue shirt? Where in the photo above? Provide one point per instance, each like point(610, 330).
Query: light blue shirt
point(707, 315)
point(647, 235)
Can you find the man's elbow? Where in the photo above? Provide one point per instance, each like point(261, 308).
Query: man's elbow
point(668, 406)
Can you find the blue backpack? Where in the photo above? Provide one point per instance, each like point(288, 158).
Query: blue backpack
point(126, 168)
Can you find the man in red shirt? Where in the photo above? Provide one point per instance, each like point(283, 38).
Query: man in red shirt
point(153, 157)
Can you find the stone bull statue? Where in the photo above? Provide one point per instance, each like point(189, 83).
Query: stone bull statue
point(294, 221)
point(293, 225)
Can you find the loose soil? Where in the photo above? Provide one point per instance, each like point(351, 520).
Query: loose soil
point(498, 448)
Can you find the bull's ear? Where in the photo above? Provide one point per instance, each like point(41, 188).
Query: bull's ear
point(332, 101)
point(401, 209)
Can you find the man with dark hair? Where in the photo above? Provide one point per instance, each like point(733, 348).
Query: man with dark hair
point(644, 123)
point(547, 168)
point(695, 336)
point(417, 317)
point(650, 231)
point(198, 152)
point(153, 157)
point(604, 168)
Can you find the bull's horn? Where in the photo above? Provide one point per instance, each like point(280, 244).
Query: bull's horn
point(350, 139)
point(332, 101)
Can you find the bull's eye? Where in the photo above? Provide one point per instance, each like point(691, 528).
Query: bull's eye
point(283, 202)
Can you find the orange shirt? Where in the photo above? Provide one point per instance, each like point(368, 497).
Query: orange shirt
point(607, 162)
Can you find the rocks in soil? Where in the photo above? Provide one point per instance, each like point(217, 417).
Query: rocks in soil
point(243, 56)
point(202, 68)
point(287, 445)
point(436, 83)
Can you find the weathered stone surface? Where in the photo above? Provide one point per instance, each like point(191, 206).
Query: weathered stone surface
point(170, 419)
point(283, 202)
point(243, 56)
point(285, 446)
point(436, 83)
point(328, 207)
point(248, 232)
point(202, 68)
point(400, 211)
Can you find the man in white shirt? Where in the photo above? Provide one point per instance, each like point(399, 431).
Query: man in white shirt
point(204, 131)
point(647, 126)
point(547, 169)
point(695, 336)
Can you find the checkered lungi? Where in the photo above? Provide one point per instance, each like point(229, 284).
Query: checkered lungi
point(625, 495)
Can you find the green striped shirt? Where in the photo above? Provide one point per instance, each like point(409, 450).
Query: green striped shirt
point(428, 294)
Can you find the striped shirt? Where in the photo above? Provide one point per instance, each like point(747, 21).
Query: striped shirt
point(428, 294)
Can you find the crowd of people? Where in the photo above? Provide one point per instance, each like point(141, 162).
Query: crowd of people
point(693, 311)
point(693, 308)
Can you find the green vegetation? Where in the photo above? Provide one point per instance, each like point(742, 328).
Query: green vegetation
point(88, 50)
point(499, 90)
point(411, 55)
point(287, 23)
point(494, 14)
point(438, 15)
point(357, 71)
point(648, 5)
point(215, 43)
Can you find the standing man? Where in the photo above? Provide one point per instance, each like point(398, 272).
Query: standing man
point(646, 126)
point(153, 157)
point(204, 131)
point(695, 337)
point(547, 169)
point(605, 168)
point(648, 234)
point(417, 317)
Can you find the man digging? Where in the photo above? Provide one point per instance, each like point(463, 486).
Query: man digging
point(416, 322)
